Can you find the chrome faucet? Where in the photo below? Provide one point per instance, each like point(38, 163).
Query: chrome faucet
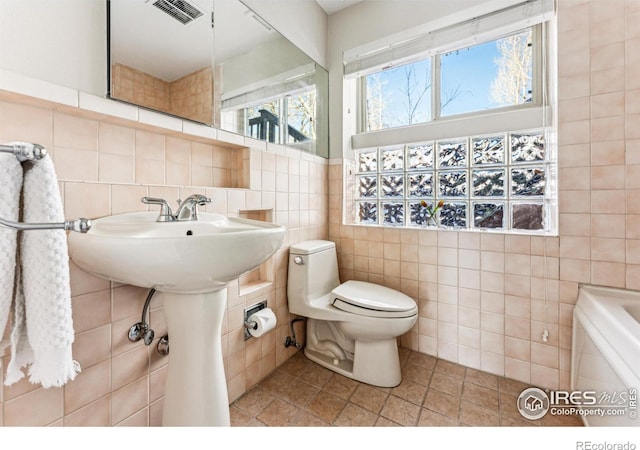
point(187, 210)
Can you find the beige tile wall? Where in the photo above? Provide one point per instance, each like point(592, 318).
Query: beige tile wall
point(190, 96)
point(482, 296)
point(104, 167)
point(139, 88)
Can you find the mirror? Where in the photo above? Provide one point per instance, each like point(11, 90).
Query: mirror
point(218, 63)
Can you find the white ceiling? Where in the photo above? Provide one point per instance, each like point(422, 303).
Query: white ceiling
point(331, 6)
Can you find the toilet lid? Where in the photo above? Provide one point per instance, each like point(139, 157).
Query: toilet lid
point(370, 299)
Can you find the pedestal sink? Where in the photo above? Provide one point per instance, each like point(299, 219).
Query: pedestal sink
point(190, 264)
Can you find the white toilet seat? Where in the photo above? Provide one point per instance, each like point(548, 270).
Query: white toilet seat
point(372, 300)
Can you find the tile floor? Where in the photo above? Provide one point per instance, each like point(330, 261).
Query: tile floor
point(433, 392)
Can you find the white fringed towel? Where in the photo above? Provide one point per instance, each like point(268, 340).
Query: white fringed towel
point(10, 187)
point(42, 334)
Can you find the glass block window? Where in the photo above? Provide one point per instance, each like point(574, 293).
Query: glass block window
point(496, 182)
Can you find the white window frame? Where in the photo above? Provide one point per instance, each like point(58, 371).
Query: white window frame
point(436, 84)
point(529, 116)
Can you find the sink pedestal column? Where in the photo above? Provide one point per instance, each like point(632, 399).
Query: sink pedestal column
point(196, 392)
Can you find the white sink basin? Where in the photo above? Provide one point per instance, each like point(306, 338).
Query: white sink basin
point(179, 257)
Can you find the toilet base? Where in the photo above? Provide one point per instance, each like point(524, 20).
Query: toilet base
point(375, 362)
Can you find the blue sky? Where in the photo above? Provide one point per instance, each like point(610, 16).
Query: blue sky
point(473, 70)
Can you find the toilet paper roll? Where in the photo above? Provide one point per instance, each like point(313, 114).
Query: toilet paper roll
point(265, 321)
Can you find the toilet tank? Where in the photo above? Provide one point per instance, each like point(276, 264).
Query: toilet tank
point(313, 272)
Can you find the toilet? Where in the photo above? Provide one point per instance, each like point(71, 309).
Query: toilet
point(352, 328)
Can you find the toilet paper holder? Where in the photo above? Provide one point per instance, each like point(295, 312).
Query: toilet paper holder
point(247, 313)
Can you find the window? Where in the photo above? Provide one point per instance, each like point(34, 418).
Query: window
point(263, 121)
point(485, 77)
point(466, 129)
point(288, 119)
point(398, 96)
point(492, 75)
point(280, 109)
point(301, 111)
point(496, 182)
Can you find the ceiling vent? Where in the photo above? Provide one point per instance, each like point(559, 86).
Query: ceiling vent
point(184, 12)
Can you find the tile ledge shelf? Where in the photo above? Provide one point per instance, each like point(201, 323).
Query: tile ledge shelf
point(254, 286)
point(21, 88)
